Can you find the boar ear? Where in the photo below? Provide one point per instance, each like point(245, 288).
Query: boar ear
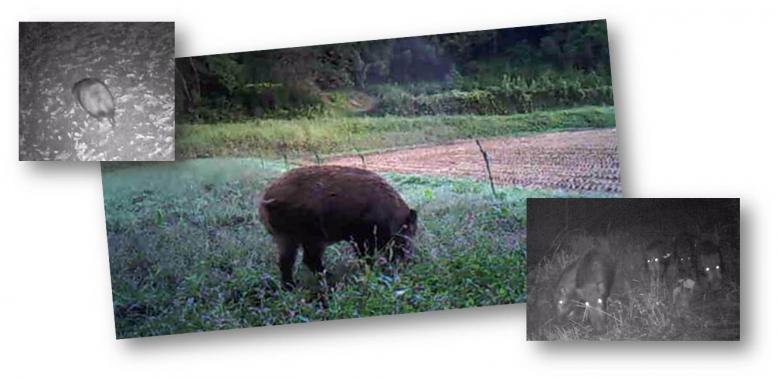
point(412, 217)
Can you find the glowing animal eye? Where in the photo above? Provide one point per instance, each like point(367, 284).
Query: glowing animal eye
point(599, 301)
point(561, 302)
point(707, 268)
point(717, 267)
point(656, 259)
point(586, 303)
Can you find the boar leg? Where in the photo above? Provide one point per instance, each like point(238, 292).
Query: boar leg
point(312, 252)
point(287, 254)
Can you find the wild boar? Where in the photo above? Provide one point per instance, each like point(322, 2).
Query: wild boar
point(95, 98)
point(316, 206)
point(588, 280)
point(709, 265)
point(685, 256)
point(657, 256)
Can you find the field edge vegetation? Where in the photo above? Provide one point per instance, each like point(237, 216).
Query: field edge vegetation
point(273, 139)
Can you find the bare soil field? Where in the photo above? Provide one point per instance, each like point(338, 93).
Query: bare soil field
point(571, 160)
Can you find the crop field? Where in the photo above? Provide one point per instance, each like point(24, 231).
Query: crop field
point(574, 161)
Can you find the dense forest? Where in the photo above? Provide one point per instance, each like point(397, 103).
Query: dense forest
point(493, 72)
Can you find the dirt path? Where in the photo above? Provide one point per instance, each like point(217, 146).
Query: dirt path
point(575, 160)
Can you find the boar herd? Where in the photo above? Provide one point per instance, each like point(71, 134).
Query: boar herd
point(686, 258)
point(683, 264)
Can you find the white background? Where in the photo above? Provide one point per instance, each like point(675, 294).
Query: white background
point(696, 100)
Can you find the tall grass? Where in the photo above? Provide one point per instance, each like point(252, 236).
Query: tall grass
point(273, 138)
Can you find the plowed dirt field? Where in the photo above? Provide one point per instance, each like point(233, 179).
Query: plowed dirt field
point(571, 160)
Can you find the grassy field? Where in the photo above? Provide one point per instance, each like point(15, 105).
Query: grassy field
point(188, 253)
point(637, 310)
point(325, 136)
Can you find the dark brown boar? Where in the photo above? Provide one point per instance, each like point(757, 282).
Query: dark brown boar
point(316, 206)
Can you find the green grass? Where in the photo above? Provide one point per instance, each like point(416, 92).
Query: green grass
point(188, 253)
point(333, 135)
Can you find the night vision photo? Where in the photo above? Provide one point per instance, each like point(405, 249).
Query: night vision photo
point(358, 179)
point(96, 91)
point(633, 269)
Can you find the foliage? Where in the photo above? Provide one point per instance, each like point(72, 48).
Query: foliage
point(490, 93)
point(334, 135)
point(289, 83)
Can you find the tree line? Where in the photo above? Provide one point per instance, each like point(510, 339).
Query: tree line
point(297, 80)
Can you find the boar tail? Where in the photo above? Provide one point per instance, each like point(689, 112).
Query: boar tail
point(260, 201)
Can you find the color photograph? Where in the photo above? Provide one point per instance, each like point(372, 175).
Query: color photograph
point(358, 179)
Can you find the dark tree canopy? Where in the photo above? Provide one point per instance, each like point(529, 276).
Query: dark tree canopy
point(261, 81)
